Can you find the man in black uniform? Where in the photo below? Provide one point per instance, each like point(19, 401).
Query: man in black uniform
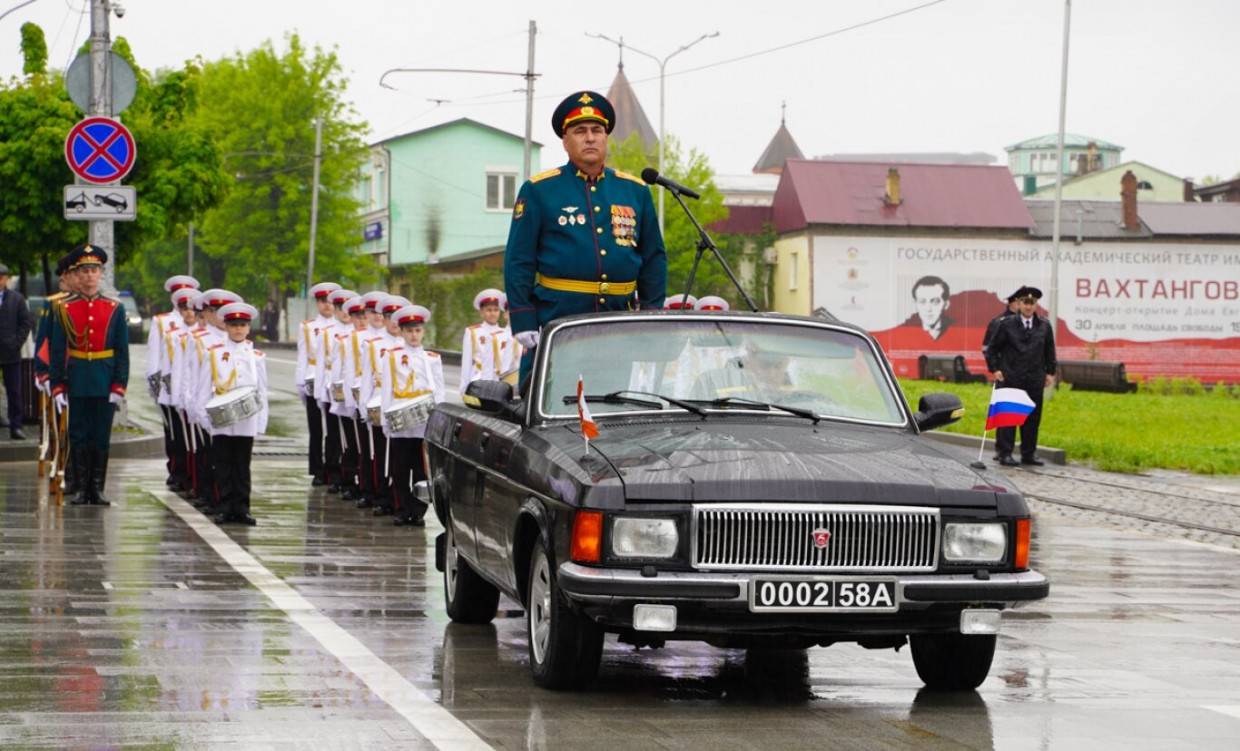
point(1013, 307)
point(1021, 354)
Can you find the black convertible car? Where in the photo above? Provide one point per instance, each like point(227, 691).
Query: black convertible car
point(757, 480)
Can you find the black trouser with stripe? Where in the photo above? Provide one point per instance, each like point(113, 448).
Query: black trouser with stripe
point(178, 454)
point(314, 421)
point(331, 447)
point(406, 470)
point(232, 462)
point(352, 452)
point(208, 492)
point(365, 468)
point(1005, 438)
point(379, 469)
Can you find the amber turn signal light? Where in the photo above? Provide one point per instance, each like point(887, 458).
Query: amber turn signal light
point(1023, 531)
point(587, 544)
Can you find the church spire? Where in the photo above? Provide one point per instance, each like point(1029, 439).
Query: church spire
point(781, 148)
point(630, 117)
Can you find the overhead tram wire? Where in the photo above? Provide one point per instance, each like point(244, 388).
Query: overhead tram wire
point(757, 53)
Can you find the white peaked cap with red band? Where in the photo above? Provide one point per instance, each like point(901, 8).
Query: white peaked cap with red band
point(412, 314)
point(392, 303)
point(372, 298)
point(323, 289)
point(711, 302)
point(338, 296)
point(216, 298)
point(238, 311)
point(185, 295)
point(355, 304)
point(488, 297)
point(180, 281)
point(679, 302)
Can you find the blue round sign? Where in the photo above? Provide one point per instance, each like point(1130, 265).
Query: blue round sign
point(100, 150)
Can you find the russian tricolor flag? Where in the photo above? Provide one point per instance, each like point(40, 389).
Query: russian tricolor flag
point(1008, 408)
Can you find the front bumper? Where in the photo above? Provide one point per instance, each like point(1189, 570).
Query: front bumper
point(719, 602)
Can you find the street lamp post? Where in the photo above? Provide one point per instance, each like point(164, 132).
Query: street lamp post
point(662, 91)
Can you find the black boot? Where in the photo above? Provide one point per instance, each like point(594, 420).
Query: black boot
point(99, 475)
point(81, 458)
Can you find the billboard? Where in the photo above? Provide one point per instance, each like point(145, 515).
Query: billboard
point(1163, 309)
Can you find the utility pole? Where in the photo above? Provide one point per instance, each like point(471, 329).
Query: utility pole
point(191, 249)
point(662, 92)
point(314, 208)
point(529, 105)
point(101, 230)
point(1059, 170)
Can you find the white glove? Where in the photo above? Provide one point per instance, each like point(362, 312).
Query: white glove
point(528, 339)
point(44, 386)
point(115, 399)
point(62, 401)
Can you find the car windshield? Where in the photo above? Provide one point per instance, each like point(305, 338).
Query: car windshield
point(720, 364)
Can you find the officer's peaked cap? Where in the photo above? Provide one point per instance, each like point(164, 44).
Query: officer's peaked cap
point(583, 106)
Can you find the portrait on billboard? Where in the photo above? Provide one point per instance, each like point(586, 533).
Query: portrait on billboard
point(932, 298)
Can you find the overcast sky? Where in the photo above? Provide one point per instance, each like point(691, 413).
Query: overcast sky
point(1158, 78)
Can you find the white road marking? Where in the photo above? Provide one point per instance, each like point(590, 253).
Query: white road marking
point(107, 586)
point(1232, 710)
point(281, 359)
point(430, 719)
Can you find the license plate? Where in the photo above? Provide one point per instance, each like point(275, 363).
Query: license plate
point(822, 595)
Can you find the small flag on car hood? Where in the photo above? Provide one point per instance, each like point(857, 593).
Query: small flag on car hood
point(1009, 408)
point(588, 427)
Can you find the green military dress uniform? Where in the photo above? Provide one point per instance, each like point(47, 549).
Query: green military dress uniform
point(582, 245)
point(88, 362)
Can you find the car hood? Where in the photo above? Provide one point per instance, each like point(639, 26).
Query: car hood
point(776, 460)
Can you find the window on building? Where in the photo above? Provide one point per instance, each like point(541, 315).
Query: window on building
point(380, 187)
point(366, 192)
point(501, 190)
point(1144, 185)
point(794, 260)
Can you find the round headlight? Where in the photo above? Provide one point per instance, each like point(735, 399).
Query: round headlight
point(644, 538)
point(983, 543)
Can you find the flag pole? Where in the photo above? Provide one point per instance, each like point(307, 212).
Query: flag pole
point(979, 464)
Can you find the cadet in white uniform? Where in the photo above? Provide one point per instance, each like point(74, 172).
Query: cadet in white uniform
point(386, 306)
point(175, 328)
point(371, 341)
point(309, 341)
point(346, 370)
point(486, 347)
point(332, 446)
point(211, 333)
point(409, 373)
point(234, 364)
point(162, 325)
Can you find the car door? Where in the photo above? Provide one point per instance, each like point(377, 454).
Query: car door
point(501, 500)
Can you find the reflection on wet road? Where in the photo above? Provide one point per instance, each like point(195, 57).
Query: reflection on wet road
point(123, 627)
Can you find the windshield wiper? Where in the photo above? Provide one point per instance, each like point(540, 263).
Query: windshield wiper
point(725, 401)
point(621, 397)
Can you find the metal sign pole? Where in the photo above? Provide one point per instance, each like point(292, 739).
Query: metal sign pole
point(101, 230)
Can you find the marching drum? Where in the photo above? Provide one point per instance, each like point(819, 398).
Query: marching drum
point(409, 413)
point(167, 379)
point(153, 381)
point(357, 393)
point(374, 409)
point(338, 391)
point(233, 407)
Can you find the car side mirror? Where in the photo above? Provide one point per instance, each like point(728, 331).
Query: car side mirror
point(494, 397)
point(938, 409)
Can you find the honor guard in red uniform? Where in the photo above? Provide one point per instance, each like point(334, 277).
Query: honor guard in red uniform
point(309, 344)
point(158, 355)
point(89, 369)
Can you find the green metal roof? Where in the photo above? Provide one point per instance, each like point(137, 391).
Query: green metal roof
point(1070, 140)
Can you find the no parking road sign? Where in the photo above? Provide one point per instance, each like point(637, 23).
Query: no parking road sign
point(100, 150)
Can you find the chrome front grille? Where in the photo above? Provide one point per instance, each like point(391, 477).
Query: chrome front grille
point(780, 537)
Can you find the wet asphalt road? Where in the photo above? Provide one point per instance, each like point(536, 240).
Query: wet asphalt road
point(143, 625)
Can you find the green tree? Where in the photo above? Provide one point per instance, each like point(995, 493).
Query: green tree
point(261, 106)
point(679, 235)
point(34, 49)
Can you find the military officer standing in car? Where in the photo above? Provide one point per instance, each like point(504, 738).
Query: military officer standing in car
point(1022, 355)
point(584, 237)
point(89, 368)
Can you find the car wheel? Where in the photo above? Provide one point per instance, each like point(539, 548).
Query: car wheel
point(565, 648)
point(467, 596)
point(952, 662)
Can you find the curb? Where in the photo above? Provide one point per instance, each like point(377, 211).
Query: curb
point(1046, 453)
point(136, 447)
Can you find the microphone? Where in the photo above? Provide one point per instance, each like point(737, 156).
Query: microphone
point(651, 176)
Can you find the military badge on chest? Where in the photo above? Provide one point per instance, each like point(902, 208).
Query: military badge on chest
point(571, 216)
point(624, 226)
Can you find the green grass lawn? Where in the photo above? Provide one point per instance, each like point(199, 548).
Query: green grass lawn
point(1120, 432)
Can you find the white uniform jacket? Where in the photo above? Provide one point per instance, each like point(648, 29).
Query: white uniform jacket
point(409, 372)
point(486, 353)
point(309, 340)
point(375, 344)
point(232, 365)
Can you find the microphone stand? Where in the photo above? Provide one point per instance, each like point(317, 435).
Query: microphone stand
point(705, 242)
